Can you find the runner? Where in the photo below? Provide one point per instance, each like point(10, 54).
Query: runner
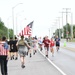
point(40, 43)
point(57, 42)
point(15, 48)
point(34, 45)
point(29, 40)
point(4, 50)
point(11, 42)
point(46, 42)
point(52, 46)
point(22, 44)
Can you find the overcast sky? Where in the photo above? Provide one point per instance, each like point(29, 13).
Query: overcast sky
point(43, 12)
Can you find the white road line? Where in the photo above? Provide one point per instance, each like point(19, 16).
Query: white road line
point(54, 65)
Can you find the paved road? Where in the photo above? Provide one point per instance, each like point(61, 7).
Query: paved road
point(37, 65)
point(64, 59)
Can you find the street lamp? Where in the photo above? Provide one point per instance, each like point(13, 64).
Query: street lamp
point(52, 30)
point(17, 18)
point(22, 24)
point(13, 16)
point(8, 26)
point(49, 32)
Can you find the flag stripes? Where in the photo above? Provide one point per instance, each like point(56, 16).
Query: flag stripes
point(3, 52)
point(27, 30)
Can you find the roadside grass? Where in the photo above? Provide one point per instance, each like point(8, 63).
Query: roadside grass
point(73, 40)
point(69, 40)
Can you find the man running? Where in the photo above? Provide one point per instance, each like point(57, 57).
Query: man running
point(22, 44)
point(57, 42)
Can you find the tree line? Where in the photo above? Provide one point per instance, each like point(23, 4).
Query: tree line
point(4, 31)
point(63, 30)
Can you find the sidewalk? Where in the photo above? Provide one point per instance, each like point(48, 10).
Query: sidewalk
point(36, 65)
point(69, 46)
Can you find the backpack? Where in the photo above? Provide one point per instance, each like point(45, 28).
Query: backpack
point(21, 43)
point(6, 46)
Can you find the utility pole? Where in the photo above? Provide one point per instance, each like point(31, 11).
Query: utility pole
point(71, 25)
point(66, 20)
point(62, 24)
point(0, 19)
point(49, 32)
point(59, 27)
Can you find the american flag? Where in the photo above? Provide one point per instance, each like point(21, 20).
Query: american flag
point(28, 29)
point(3, 51)
point(21, 33)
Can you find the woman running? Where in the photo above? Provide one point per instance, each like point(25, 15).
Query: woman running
point(46, 42)
point(52, 46)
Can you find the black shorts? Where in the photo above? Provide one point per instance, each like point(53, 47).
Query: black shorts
point(57, 44)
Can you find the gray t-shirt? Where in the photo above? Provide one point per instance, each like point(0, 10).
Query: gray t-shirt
point(23, 47)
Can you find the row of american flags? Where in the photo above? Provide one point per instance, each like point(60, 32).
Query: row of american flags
point(27, 30)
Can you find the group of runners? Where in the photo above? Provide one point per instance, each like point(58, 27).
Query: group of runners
point(49, 44)
point(24, 47)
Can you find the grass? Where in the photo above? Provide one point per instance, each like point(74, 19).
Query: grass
point(73, 40)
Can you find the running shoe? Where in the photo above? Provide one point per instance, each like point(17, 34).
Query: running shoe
point(23, 66)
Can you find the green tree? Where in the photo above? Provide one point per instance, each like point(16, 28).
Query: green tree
point(67, 30)
point(68, 27)
point(57, 32)
point(4, 30)
point(10, 33)
point(73, 31)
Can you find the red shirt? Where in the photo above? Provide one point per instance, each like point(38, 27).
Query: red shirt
point(51, 43)
point(46, 42)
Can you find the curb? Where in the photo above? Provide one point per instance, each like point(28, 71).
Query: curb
point(68, 48)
